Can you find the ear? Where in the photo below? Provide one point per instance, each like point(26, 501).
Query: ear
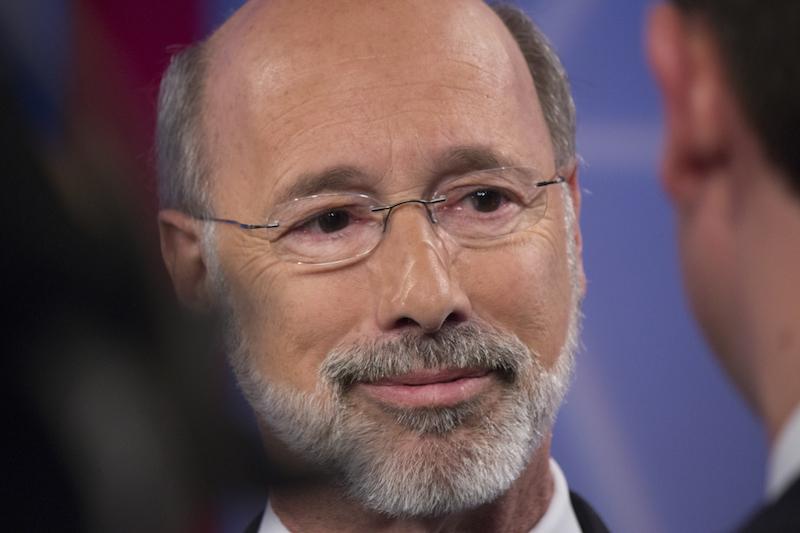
point(573, 185)
point(181, 248)
point(684, 58)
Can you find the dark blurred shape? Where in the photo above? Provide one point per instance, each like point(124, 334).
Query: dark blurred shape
point(116, 402)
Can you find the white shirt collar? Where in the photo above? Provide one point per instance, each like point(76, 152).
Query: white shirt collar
point(559, 517)
point(784, 458)
point(270, 523)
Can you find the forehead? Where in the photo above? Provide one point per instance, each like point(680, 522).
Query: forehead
point(384, 86)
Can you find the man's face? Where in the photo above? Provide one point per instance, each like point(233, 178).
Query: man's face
point(408, 95)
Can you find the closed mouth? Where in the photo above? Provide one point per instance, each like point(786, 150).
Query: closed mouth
point(429, 387)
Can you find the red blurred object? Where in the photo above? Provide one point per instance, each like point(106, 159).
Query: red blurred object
point(120, 51)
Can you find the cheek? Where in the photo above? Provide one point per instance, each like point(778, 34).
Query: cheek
point(297, 319)
point(524, 289)
point(709, 273)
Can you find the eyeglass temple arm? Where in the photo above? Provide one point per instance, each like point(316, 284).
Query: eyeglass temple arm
point(557, 179)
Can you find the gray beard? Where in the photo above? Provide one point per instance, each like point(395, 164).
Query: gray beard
point(425, 462)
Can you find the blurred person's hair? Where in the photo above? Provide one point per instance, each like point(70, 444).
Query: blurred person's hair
point(184, 166)
point(759, 41)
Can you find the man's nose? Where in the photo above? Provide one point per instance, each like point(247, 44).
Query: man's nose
point(416, 284)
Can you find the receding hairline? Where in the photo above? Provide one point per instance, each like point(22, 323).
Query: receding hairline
point(231, 40)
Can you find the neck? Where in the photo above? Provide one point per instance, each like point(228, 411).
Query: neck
point(321, 505)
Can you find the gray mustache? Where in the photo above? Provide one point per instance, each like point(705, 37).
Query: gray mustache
point(461, 346)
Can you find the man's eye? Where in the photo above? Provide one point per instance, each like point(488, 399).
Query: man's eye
point(486, 200)
point(331, 221)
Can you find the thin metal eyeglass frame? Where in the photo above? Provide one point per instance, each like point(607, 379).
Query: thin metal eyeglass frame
point(558, 178)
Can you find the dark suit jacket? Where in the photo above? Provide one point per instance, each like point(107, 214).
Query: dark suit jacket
point(587, 517)
point(781, 516)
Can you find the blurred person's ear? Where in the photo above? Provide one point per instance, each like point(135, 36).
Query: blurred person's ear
point(699, 108)
point(182, 250)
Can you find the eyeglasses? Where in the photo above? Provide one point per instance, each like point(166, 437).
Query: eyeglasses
point(474, 208)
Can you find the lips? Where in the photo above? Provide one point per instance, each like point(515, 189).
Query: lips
point(429, 387)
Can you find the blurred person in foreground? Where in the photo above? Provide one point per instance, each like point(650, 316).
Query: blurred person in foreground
point(729, 74)
point(115, 413)
point(382, 199)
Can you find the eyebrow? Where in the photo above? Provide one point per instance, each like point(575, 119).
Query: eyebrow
point(469, 158)
point(332, 179)
point(456, 160)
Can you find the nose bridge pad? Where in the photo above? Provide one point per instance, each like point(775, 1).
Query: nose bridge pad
point(425, 204)
point(429, 237)
point(431, 214)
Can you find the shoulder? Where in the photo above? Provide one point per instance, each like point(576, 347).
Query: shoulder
point(588, 518)
point(783, 515)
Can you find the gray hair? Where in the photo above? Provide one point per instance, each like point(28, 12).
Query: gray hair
point(182, 162)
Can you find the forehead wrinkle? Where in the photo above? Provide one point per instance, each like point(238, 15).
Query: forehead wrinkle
point(452, 158)
point(387, 116)
point(290, 71)
point(368, 106)
point(472, 157)
point(364, 88)
point(306, 109)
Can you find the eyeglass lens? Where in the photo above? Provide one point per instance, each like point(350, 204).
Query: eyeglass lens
point(477, 209)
